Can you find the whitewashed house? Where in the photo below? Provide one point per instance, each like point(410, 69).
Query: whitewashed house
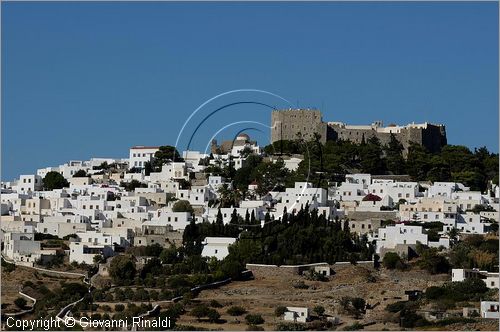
point(217, 247)
point(296, 314)
point(490, 309)
point(491, 279)
point(140, 155)
point(400, 234)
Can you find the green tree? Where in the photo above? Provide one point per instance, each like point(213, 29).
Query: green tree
point(200, 311)
point(391, 260)
point(130, 186)
point(80, 174)
point(280, 311)
point(394, 156)
point(417, 162)
point(319, 310)
point(122, 269)
point(433, 262)
point(213, 315)
point(164, 155)
point(182, 206)
point(20, 302)
point(254, 319)
point(54, 180)
point(236, 311)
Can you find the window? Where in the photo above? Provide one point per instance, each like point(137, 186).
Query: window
point(216, 251)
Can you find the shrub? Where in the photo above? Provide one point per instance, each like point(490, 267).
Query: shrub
point(119, 307)
point(395, 307)
point(7, 267)
point(300, 285)
point(28, 283)
point(254, 319)
point(411, 319)
point(434, 292)
point(280, 311)
point(200, 311)
point(215, 304)
point(236, 311)
point(213, 315)
point(122, 269)
point(433, 262)
point(291, 327)
point(20, 302)
point(106, 308)
point(451, 292)
point(356, 326)
point(353, 305)
point(391, 260)
point(319, 310)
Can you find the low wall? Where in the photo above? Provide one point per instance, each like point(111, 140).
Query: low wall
point(264, 270)
point(364, 215)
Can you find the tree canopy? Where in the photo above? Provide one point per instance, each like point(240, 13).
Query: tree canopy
point(54, 180)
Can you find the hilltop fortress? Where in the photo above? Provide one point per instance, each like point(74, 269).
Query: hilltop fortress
point(293, 123)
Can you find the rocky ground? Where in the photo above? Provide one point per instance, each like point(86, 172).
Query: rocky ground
point(263, 295)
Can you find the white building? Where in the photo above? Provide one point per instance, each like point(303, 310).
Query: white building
point(354, 188)
point(217, 247)
point(490, 278)
point(400, 234)
point(82, 252)
point(28, 184)
point(445, 189)
point(303, 193)
point(490, 309)
point(21, 247)
point(165, 221)
point(396, 190)
point(296, 314)
point(140, 155)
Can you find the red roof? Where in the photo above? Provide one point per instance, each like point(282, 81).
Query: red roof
point(372, 198)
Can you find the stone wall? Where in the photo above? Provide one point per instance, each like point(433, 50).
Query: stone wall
point(433, 137)
point(380, 215)
point(287, 124)
point(262, 270)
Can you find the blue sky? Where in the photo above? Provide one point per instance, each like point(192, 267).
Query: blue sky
point(83, 80)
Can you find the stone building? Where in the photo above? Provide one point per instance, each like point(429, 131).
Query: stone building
point(291, 124)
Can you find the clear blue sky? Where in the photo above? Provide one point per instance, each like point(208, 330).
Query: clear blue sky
point(85, 80)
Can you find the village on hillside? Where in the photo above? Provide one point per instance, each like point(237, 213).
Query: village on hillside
point(330, 226)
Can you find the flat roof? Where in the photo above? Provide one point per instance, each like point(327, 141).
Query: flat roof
point(144, 147)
